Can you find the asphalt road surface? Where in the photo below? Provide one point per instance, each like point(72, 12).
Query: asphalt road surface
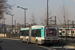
point(12, 44)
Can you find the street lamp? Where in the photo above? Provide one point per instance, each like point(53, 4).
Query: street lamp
point(12, 20)
point(24, 14)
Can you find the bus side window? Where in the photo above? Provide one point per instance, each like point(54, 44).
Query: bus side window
point(33, 33)
point(24, 33)
point(21, 33)
point(38, 33)
point(27, 32)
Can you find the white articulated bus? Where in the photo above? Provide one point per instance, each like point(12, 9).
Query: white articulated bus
point(40, 34)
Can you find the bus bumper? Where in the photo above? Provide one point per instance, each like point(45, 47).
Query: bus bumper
point(50, 41)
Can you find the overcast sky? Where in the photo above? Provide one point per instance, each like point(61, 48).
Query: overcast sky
point(39, 8)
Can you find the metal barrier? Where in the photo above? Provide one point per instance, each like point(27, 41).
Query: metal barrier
point(9, 35)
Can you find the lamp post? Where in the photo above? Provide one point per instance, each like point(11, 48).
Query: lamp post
point(55, 20)
point(15, 25)
point(47, 12)
point(24, 14)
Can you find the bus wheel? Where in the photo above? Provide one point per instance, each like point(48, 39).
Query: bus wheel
point(23, 41)
point(36, 43)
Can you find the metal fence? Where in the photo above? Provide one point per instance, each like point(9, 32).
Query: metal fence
point(11, 35)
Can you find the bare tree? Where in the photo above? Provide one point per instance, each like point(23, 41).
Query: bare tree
point(4, 8)
point(33, 19)
point(63, 15)
point(43, 19)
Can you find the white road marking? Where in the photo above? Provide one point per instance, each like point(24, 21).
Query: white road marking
point(51, 48)
point(47, 48)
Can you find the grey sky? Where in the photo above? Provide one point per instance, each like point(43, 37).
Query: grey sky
point(39, 8)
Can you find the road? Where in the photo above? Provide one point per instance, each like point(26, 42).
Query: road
point(12, 44)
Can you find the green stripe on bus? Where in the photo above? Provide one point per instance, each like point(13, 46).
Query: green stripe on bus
point(24, 29)
point(42, 32)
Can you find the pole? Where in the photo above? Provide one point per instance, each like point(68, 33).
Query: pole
point(68, 26)
point(24, 14)
point(66, 32)
point(12, 25)
point(47, 12)
point(4, 27)
point(55, 20)
point(73, 27)
point(15, 25)
point(19, 31)
point(25, 18)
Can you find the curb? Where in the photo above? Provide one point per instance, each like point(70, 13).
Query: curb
point(12, 38)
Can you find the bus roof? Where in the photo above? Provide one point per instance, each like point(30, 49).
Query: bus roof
point(35, 26)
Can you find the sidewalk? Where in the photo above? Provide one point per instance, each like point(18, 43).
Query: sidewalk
point(70, 45)
point(9, 38)
point(73, 47)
